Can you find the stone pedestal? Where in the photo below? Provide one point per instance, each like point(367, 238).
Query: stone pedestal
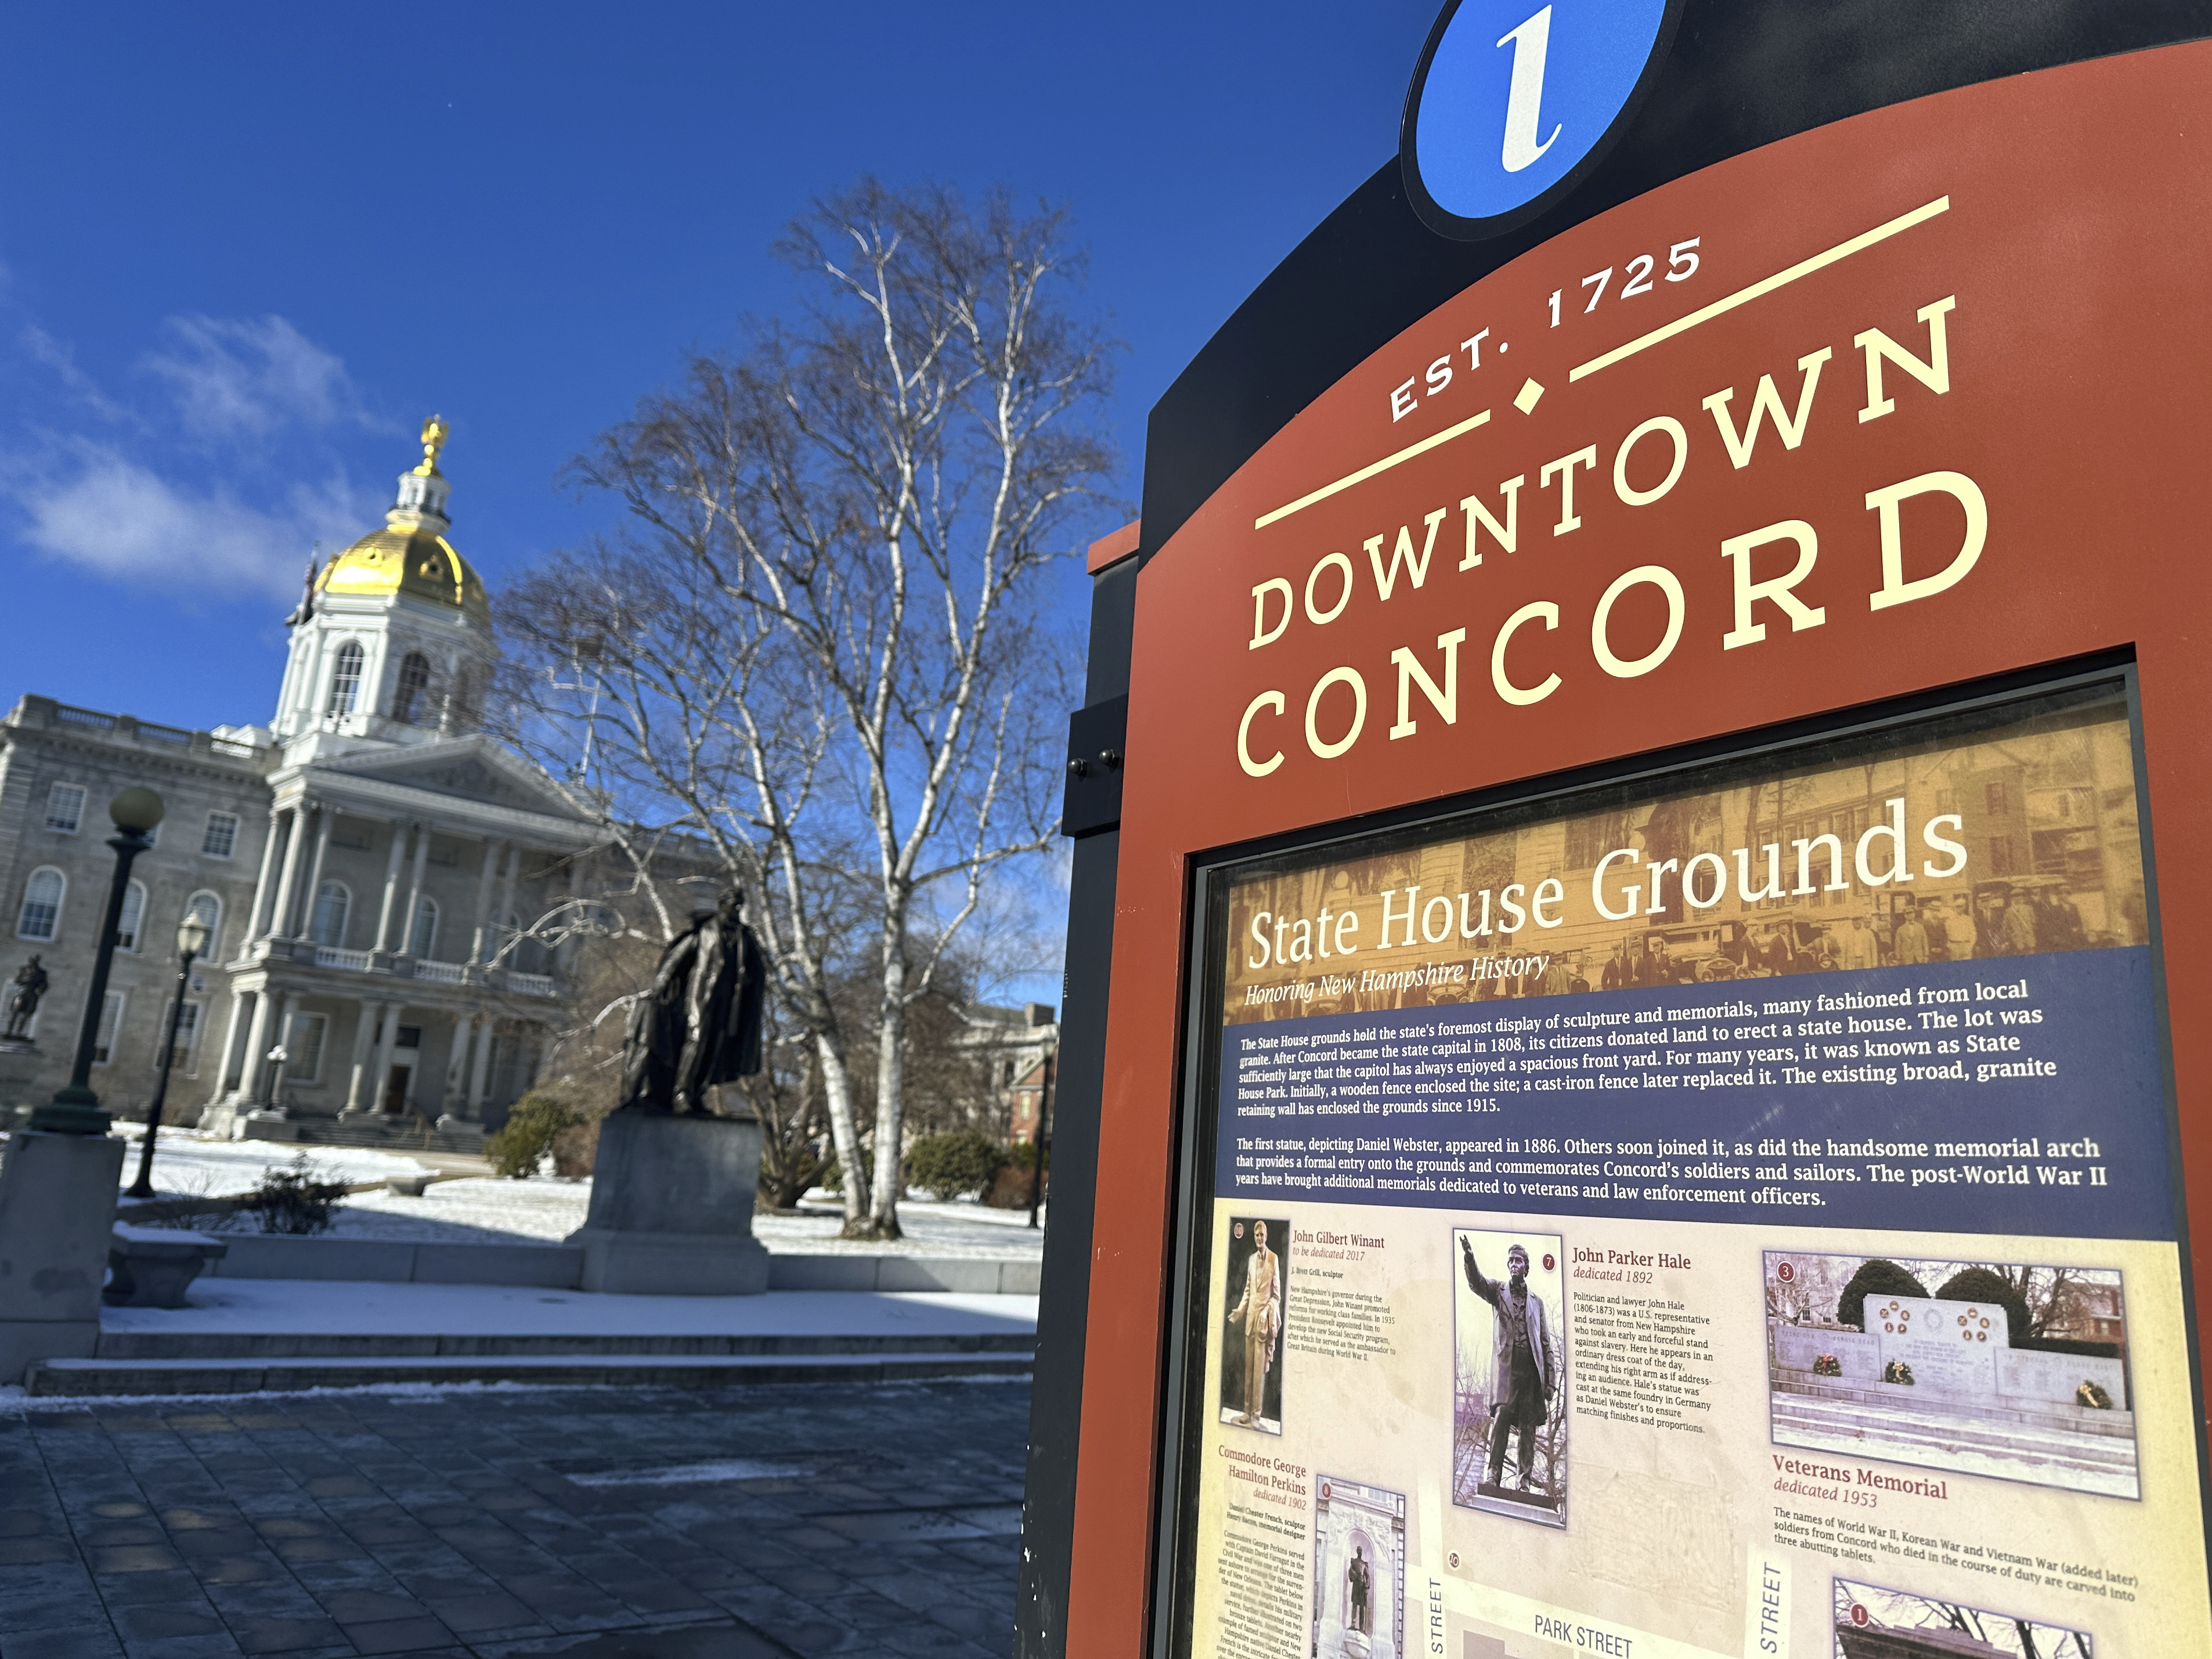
point(673, 1208)
point(57, 1213)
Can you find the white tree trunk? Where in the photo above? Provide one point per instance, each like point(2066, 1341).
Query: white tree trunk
point(837, 1093)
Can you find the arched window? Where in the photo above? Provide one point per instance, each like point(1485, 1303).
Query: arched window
point(131, 924)
point(425, 932)
point(208, 907)
point(414, 681)
point(345, 680)
point(332, 901)
point(41, 914)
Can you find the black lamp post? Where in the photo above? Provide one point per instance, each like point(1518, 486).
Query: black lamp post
point(75, 1110)
point(191, 939)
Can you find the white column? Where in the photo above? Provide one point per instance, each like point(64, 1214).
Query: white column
point(399, 829)
point(507, 890)
point(256, 1032)
point(228, 1052)
point(364, 1033)
point(324, 818)
point(481, 1071)
point(456, 1062)
point(280, 916)
point(381, 1078)
point(480, 949)
point(405, 943)
point(261, 894)
point(284, 1023)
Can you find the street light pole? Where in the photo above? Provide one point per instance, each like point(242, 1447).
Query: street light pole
point(74, 1108)
point(191, 939)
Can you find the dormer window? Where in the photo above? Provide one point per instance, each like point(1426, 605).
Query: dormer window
point(345, 680)
point(414, 681)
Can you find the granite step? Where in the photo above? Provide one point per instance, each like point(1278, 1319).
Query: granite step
point(247, 1346)
point(245, 1374)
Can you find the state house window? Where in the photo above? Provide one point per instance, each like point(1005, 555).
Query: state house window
point(345, 680)
point(305, 1065)
point(41, 914)
point(424, 933)
point(332, 901)
point(414, 681)
point(65, 808)
point(221, 839)
point(132, 922)
point(209, 909)
point(111, 1023)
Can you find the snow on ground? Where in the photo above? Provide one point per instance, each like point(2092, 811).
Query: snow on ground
point(486, 1210)
point(544, 1210)
point(185, 1166)
point(303, 1307)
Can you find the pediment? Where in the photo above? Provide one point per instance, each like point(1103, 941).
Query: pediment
point(470, 768)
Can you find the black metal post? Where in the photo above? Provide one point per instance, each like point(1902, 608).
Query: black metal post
point(143, 1186)
point(74, 1108)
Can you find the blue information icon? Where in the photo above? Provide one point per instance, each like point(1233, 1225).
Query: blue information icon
point(1512, 96)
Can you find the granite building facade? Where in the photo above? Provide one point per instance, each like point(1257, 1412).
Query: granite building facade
point(370, 863)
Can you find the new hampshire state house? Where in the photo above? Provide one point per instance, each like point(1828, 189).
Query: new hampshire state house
point(368, 865)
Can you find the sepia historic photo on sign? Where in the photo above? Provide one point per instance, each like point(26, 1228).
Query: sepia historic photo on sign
point(1874, 1623)
point(1996, 1369)
point(1252, 1329)
point(1510, 1374)
point(1360, 1571)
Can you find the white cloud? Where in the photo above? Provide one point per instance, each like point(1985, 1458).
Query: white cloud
point(57, 354)
point(235, 379)
point(95, 507)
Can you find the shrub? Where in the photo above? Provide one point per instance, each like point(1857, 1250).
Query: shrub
point(1023, 1155)
point(291, 1199)
point(1879, 1277)
point(955, 1165)
point(1986, 1284)
point(532, 1123)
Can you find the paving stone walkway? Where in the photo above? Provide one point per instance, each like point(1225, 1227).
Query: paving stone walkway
point(496, 1523)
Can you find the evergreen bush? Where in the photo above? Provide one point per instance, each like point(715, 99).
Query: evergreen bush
point(1878, 1277)
point(956, 1165)
point(1986, 1284)
point(531, 1124)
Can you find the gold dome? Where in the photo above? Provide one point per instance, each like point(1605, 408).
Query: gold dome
point(405, 558)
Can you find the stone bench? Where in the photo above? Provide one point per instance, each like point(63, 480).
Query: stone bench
point(409, 1186)
point(152, 1267)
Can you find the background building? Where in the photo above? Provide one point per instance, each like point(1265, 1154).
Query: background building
point(369, 863)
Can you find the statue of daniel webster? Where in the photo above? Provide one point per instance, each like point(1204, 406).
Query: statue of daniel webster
point(700, 1022)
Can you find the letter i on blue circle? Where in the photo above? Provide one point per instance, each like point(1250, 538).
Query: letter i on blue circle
point(1516, 94)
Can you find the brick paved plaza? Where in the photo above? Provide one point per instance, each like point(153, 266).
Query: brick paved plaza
point(494, 1523)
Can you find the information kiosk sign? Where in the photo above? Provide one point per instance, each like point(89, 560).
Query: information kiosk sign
point(1654, 1090)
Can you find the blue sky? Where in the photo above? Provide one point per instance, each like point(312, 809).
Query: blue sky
point(245, 250)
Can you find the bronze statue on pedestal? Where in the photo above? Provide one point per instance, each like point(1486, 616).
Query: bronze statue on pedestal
point(699, 1023)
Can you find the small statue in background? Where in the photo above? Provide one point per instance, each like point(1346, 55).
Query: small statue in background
point(699, 1023)
point(23, 1007)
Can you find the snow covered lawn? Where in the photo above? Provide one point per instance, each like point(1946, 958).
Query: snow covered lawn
point(185, 1166)
point(544, 1210)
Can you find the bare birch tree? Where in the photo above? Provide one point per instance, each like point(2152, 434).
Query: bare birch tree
point(816, 644)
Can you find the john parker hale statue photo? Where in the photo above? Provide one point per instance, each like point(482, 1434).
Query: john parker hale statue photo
point(699, 1023)
point(1524, 1369)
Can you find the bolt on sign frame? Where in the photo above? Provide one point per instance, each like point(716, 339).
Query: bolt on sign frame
point(1635, 864)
